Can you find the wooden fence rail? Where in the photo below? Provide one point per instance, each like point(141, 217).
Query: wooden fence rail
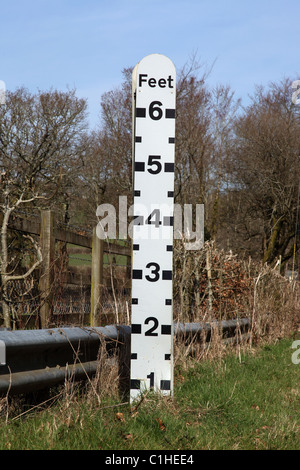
point(49, 232)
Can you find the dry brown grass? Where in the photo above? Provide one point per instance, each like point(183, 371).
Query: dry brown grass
point(232, 288)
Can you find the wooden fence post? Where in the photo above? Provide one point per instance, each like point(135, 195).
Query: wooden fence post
point(96, 279)
point(47, 242)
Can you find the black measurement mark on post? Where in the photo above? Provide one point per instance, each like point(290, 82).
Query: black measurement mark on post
point(138, 220)
point(168, 221)
point(167, 275)
point(135, 384)
point(140, 112)
point(166, 329)
point(169, 167)
point(136, 328)
point(137, 274)
point(139, 166)
point(165, 385)
point(170, 113)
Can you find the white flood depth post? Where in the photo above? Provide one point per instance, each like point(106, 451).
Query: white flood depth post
point(154, 98)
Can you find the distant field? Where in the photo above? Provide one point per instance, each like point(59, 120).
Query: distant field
point(238, 402)
point(80, 258)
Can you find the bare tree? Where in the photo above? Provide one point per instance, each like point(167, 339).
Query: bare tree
point(224, 109)
point(38, 139)
point(116, 133)
point(265, 170)
point(193, 138)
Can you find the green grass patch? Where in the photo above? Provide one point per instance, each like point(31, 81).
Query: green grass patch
point(246, 402)
point(85, 259)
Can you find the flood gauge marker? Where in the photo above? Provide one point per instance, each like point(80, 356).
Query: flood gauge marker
point(154, 98)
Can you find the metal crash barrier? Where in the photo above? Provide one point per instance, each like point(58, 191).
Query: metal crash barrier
point(32, 360)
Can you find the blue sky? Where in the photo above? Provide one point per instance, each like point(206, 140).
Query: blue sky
point(86, 44)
